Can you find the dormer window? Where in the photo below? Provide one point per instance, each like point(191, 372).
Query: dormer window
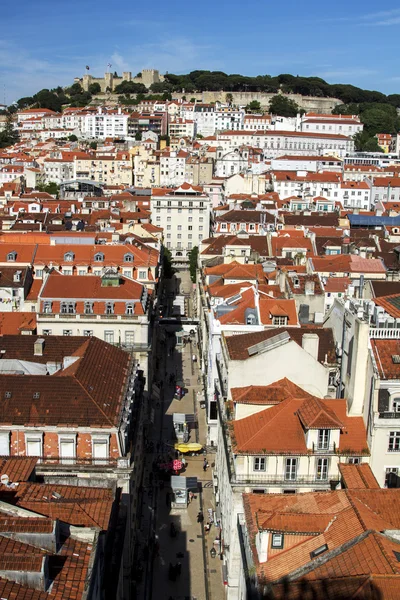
point(12, 256)
point(88, 308)
point(323, 439)
point(99, 257)
point(68, 308)
point(109, 308)
point(130, 308)
point(250, 320)
point(69, 256)
point(128, 258)
point(277, 540)
point(279, 321)
point(47, 307)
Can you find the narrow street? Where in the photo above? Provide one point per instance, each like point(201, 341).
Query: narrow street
point(200, 575)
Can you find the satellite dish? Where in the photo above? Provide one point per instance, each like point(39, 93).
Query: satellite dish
point(4, 479)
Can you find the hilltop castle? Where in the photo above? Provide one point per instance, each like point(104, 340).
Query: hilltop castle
point(109, 82)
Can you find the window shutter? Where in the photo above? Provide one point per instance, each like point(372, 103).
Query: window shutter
point(383, 401)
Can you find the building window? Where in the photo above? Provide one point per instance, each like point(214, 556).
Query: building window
point(354, 460)
point(67, 331)
point(391, 475)
point(259, 463)
point(39, 272)
point(129, 338)
point(34, 444)
point(394, 441)
point(109, 308)
point(323, 439)
point(47, 307)
point(279, 321)
point(130, 308)
point(69, 256)
point(109, 337)
point(99, 257)
point(142, 275)
point(88, 308)
point(5, 441)
point(11, 256)
point(67, 448)
point(291, 469)
point(81, 272)
point(128, 258)
point(322, 469)
point(88, 332)
point(68, 308)
point(46, 332)
point(277, 540)
point(396, 405)
point(100, 449)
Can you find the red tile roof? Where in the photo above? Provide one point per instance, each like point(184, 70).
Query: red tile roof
point(279, 429)
point(356, 550)
point(238, 345)
point(268, 394)
point(358, 476)
point(89, 392)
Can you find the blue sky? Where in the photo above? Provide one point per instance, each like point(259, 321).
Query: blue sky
point(48, 43)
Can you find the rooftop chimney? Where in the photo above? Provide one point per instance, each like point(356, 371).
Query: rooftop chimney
point(310, 343)
point(38, 347)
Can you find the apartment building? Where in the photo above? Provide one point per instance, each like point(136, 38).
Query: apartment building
point(347, 125)
point(112, 308)
point(106, 123)
point(276, 143)
point(279, 439)
point(256, 122)
point(179, 128)
point(184, 213)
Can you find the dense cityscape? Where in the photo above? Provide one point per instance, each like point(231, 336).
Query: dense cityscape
point(199, 347)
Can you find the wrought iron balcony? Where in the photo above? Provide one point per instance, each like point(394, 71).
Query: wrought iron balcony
point(299, 480)
point(389, 415)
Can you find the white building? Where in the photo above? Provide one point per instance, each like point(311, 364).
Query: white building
point(105, 124)
point(172, 167)
point(184, 213)
point(347, 125)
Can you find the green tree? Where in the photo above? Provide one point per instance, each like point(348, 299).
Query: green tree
point(25, 102)
point(229, 98)
point(283, 106)
point(93, 145)
point(47, 99)
point(51, 188)
point(138, 136)
point(129, 87)
point(76, 88)
point(364, 142)
point(192, 100)
point(167, 264)
point(9, 135)
point(193, 256)
point(253, 106)
point(73, 138)
point(94, 88)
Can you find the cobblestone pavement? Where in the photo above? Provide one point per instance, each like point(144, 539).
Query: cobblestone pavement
point(201, 575)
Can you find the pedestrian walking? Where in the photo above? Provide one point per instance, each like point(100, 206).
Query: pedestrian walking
point(200, 517)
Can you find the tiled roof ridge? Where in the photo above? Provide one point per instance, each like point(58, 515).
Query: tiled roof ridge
point(387, 556)
point(356, 510)
point(322, 409)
